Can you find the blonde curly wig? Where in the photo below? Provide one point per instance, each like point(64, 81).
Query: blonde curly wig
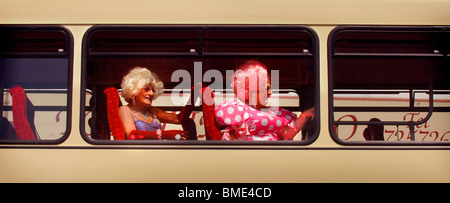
point(138, 78)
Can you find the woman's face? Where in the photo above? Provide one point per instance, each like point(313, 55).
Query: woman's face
point(262, 96)
point(257, 97)
point(146, 95)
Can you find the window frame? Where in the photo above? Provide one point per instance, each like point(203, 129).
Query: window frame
point(67, 54)
point(314, 54)
point(410, 124)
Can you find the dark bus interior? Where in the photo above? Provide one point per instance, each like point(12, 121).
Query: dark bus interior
point(388, 60)
point(37, 59)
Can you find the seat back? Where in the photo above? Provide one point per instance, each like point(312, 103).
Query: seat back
point(211, 129)
point(112, 108)
point(22, 125)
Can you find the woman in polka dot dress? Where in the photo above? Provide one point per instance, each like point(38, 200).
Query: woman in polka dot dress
point(247, 118)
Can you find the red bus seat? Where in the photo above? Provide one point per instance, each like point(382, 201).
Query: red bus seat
point(209, 112)
point(112, 108)
point(22, 125)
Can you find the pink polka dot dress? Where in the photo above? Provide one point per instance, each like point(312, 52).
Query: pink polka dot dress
point(236, 118)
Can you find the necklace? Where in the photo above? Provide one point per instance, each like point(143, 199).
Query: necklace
point(146, 115)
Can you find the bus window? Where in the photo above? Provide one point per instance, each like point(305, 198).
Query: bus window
point(182, 56)
point(35, 84)
point(389, 85)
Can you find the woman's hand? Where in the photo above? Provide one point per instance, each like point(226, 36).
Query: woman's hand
point(288, 133)
point(309, 113)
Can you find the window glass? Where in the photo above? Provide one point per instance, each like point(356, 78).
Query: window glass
point(185, 55)
point(382, 80)
point(35, 75)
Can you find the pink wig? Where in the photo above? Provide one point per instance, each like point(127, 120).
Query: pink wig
point(249, 78)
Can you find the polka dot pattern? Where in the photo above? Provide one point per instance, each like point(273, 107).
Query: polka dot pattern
point(247, 123)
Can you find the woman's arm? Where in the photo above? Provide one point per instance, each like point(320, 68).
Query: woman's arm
point(180, 118)
point(164, 117)
point(289, 132)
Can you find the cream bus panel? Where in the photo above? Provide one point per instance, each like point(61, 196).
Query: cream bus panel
point(319, 12)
